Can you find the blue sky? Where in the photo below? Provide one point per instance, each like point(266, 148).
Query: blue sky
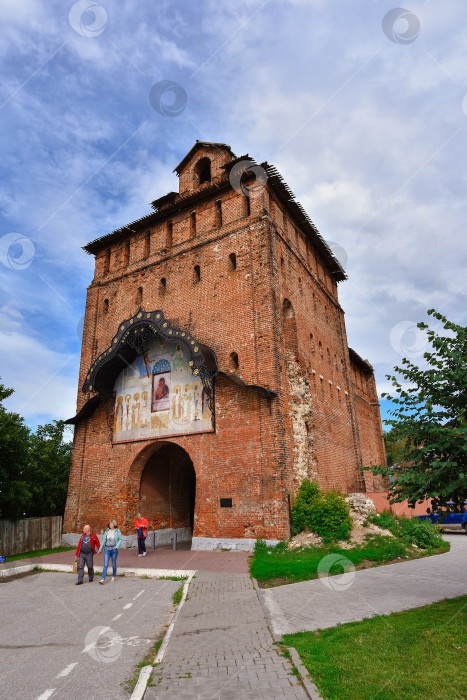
point(364, 114)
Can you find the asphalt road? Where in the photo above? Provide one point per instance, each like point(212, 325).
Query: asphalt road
point(62, 641)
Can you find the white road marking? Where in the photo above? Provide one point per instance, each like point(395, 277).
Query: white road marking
point(138, 594)
point(67, 670)
point(116, 617)
point(47, 694)
point(128, 605)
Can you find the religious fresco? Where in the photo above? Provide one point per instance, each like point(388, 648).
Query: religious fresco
point(158, 395)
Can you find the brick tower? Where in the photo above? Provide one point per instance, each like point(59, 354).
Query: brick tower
point(215, 372)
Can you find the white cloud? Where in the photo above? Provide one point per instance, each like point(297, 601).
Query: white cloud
point(45, 381)
point(362, 129)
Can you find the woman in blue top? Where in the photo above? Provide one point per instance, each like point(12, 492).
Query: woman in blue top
point(111, 543)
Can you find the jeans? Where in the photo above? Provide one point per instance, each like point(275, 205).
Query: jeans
point(88, 560)
point(141, 545)
point(107, 554)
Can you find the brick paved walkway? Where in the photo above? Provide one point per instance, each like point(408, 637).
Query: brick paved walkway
point(221, 647)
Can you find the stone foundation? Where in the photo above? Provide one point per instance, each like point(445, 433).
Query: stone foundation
point(155, 538)
point(212, 543)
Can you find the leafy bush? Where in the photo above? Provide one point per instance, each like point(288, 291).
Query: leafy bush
point(420, 532)
point(308, 494)
point(412, 531)
point(260, 546)
point(334, 522)
point(280, 547)
point(386, 520)
point(326, 515)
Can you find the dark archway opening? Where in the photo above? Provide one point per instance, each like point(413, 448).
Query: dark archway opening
point(168, 489)
point(203, 170)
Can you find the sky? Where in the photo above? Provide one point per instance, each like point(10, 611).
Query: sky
point(361, 105)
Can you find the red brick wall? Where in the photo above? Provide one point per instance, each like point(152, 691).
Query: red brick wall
point(370, 430)
point(260, 449)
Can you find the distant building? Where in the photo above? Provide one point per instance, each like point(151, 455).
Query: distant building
point(215, 371)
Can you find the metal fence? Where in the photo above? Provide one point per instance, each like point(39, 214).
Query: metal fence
point(29, 534)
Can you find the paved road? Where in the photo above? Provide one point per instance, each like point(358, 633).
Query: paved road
point(221, 647)
point(355, 595)
point(68, 642)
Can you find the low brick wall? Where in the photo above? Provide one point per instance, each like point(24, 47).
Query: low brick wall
point(381, 503)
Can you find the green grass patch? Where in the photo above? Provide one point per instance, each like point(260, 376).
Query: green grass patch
point(156, 647)
point(412, 654)
point(411, 531)
point(172, 578)
point(177, 596)
point(130, 683)
point(38, 553)
point(272, 566)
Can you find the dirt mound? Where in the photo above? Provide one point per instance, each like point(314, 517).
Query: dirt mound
point(360, 508)
point(359, 532)
point(304, 539)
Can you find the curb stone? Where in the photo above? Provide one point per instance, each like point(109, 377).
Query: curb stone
point(309, 687)
point(13, 571)
point(267, 614)
point(146, 671)
point(127, 571)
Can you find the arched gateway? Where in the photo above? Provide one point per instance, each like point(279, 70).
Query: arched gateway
point(163, 482)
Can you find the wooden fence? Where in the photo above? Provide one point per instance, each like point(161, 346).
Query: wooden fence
point(29, 534)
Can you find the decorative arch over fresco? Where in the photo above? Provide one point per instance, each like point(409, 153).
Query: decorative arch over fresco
point(128, 343)
point(157, 378)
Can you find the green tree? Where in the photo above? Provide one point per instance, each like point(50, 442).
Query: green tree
point(429, 421)
point(15, 493)
point(395, 447)
point(34, 467)
point(48, 470)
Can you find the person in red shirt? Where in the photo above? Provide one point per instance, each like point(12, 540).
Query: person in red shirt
point(88, 544)
point(141, 527)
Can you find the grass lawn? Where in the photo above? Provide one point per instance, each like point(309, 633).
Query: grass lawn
point(276, 566)
point(38, 553)
point(413, 654)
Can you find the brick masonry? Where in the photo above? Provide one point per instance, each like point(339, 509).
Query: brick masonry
point(249, 280)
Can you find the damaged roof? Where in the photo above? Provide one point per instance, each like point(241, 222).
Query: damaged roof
point(173, 202)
